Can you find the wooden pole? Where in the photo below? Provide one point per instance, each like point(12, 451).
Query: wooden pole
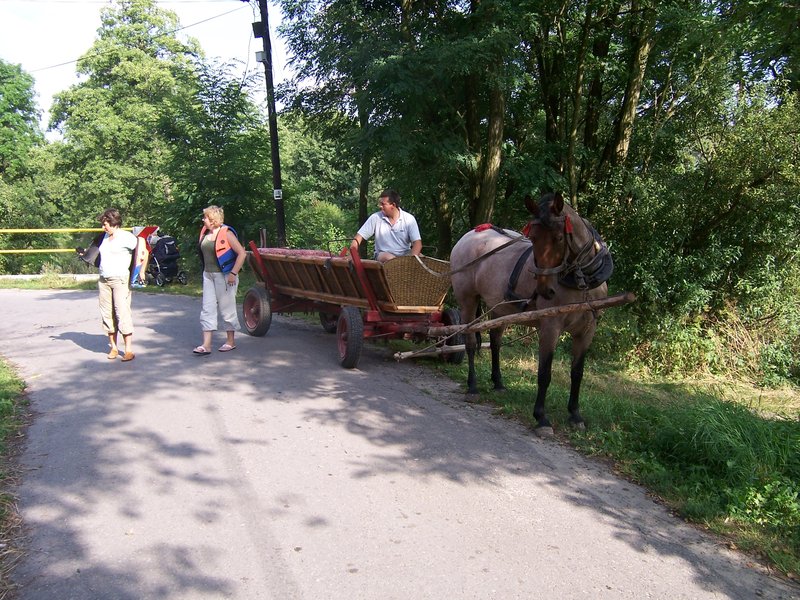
point(437, 351)
point(533, 315)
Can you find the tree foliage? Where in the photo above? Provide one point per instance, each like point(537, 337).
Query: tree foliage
point(19, 120)
point(668, 124)
point(133, 71)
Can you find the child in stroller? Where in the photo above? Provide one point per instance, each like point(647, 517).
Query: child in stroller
point(163, 265)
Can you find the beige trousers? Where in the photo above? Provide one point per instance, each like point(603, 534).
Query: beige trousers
point(115, 305)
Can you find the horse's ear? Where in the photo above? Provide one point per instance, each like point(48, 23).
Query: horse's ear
point(533, 208)
point(558, 203)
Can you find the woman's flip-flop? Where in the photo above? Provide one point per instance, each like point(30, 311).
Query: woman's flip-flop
point(226, 348)
point(201, 351)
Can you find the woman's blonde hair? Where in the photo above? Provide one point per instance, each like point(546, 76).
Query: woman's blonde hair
point(215, 215)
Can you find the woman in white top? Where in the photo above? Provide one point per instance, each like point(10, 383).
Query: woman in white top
point(117, 251)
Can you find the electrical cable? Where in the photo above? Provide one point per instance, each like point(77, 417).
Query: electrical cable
point(166, 33)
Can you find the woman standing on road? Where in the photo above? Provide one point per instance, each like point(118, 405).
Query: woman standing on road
point(117, 250)
point(222, 257)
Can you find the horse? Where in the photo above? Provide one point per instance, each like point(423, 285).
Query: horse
point(560, 259)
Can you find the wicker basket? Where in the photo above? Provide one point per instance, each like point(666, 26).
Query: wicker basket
point(417, 281)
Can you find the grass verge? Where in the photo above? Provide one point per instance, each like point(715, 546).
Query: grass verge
point(13, 418)
point(724, 456)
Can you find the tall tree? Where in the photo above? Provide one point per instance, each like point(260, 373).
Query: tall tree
point(19, 119)
point(218, 152)
point(109, 120)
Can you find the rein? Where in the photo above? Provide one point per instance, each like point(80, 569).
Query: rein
point(513, 240)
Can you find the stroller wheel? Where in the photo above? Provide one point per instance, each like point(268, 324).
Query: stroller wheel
point(160, 280)
point(182, 278)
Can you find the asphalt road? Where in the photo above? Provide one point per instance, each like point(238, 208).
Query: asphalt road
point(271, 472)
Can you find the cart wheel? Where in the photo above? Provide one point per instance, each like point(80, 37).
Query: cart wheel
point(452, 316)
point(160, 280)
point(257, 311)
point(350, 336)
point(328, 321)
point(182, 278)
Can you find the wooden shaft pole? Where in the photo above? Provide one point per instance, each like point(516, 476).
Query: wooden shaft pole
point(533, 315)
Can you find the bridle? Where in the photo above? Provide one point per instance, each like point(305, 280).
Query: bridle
point(578, 253)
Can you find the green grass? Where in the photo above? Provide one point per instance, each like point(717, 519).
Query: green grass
point(13, 406)
point(724, 456)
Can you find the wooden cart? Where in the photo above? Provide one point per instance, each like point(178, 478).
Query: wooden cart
point(356, 299)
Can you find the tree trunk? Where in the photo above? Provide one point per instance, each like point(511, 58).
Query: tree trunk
point(472, 123)
point(577, 94)
point(444, 222)
point(490, 167)
point(366, 162)
point(643, 44)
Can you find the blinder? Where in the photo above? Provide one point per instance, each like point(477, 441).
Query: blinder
point(583, 271)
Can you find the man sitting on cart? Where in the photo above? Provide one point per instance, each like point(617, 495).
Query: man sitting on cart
point(396, 231)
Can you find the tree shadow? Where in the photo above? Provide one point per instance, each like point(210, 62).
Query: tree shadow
point(160, 449)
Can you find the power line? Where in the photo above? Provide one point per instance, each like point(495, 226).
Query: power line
point(107, 2)
point(166, 33)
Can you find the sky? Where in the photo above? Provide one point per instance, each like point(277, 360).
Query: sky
point(47, 37)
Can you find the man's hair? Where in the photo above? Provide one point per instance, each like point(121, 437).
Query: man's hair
point(215, 214)
point(391, 196)
point(110, 216)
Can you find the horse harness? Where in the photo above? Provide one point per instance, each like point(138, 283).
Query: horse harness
point(583, 272)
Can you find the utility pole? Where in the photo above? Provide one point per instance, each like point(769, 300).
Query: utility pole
point(261, 29)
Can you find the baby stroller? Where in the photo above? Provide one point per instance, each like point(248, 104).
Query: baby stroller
point(163, 266)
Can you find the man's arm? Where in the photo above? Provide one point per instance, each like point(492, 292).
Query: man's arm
point(416, 248)
point(356, 242)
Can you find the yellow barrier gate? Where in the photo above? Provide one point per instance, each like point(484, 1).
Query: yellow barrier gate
point(49, 250)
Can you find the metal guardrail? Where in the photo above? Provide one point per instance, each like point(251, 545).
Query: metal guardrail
point(52, 230)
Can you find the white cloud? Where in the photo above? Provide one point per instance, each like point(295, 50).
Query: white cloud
point(47, 36)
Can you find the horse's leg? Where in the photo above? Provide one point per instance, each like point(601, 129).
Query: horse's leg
point(468, 311)
point(576, 377)
point(548, 338)
point(495, 338)
point(580, 346)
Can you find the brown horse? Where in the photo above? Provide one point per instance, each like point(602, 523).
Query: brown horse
point(561, 261)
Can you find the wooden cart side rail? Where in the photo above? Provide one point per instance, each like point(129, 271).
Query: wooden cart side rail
point(323, 273)
point(384, 308)
point(533, 315)
point(304, 294)
point(316, 275)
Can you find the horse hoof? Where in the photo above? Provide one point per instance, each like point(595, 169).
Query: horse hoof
point(544, 432)
point(578, 425)
point(472, 397)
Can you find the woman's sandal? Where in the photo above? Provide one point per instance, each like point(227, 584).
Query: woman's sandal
point(201, 351)
point(114, 353)
point(226, 348)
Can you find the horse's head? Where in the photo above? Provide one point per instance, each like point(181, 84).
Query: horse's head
point(548, 231)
